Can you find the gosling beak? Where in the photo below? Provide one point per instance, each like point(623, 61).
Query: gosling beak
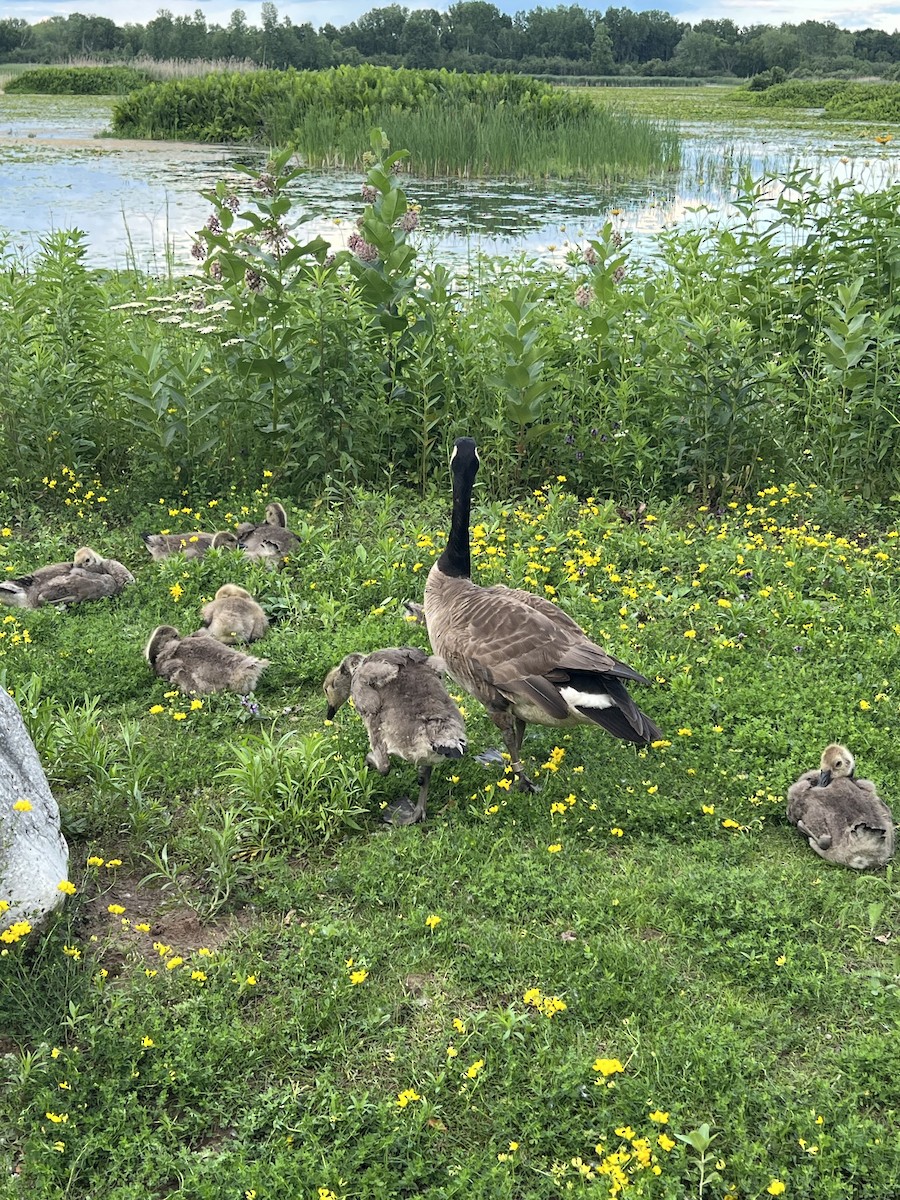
point(329, 716)
point(824, 778)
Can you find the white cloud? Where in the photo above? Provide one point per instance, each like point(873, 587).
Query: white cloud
point(869, 14)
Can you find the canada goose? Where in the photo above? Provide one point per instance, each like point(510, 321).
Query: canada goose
point(843, 817)
point(516, 652)
point(407, 713)
point(192, 545)
point(271, 541)
point(234, 616)
point(88, 577)
point(199, 663)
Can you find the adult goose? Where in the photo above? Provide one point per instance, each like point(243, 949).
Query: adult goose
point(516, 652)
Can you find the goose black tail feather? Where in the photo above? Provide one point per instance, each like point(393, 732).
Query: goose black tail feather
point(614, 721)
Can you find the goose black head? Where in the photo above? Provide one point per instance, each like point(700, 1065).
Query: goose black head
point(465, 455)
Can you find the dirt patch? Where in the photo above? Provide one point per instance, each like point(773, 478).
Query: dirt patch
point(169, 923)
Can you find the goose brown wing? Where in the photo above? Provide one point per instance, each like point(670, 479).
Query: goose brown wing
point(516, 635)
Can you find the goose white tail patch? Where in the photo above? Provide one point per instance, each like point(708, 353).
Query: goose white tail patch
point(574, 697)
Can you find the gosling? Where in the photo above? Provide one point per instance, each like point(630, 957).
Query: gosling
point(191, 545)
point(407, 713)
point(270, 542)
point(201, 664)
point(89, 576)
point(234, 616)
point(843, 818)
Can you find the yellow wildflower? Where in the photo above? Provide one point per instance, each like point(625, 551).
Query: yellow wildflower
point(608, 1066)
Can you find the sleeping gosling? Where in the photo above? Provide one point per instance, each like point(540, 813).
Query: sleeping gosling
point(234, 616)
point(843, 818)
point(192, 545)
point(407, 713)
point(201, 664)
point(88, 577)
point(270, 542)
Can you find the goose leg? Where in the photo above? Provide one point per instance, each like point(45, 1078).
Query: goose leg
point(402, 812)
point(513, 730)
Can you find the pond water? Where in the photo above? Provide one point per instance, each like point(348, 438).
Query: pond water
point(139, 202)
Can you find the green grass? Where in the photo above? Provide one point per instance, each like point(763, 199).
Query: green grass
point(688, 930)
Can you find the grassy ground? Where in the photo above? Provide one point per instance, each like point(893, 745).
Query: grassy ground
point(726, 106)
point(259, 991)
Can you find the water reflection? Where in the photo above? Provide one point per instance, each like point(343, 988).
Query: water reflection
point(139, 203)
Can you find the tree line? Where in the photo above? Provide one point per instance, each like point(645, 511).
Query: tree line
point(472, 35)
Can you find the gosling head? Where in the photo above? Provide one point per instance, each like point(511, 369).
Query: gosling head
point(837, 763)
point(337, 683)
point(161, 637)
point(224, 540)
point(87, 559)
point(275, 515)
point(228, 590)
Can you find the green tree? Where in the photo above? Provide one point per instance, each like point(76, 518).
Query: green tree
point(602, 60)
point(420, 42)
point(475, 26)
point(562, 32)
point(698, 53)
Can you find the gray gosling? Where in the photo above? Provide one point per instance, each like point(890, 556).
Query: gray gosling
point(88, 576)
point(406, 711)
point(518, 653)
point(191, 545)
point(270, 542)
point(234, 616)
point(842, 817)
point(201, 664)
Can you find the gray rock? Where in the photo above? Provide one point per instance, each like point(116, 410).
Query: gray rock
point(34, 857)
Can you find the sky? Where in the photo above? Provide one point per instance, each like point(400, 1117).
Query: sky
point(875, 14)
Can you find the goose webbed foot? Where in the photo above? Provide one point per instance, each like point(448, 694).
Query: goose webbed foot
point(488, 757)
point(403, 812)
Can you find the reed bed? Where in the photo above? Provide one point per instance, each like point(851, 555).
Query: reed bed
point(468, 142)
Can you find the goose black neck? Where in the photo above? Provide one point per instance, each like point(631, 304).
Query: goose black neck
point(456, 559)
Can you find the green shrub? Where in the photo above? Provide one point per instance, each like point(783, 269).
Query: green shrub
point(801, 93)
point(700, 368)
point(451, 124)
point(78, 81)
point(867, 102)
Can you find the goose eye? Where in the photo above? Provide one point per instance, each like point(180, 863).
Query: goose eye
point(838, 763)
